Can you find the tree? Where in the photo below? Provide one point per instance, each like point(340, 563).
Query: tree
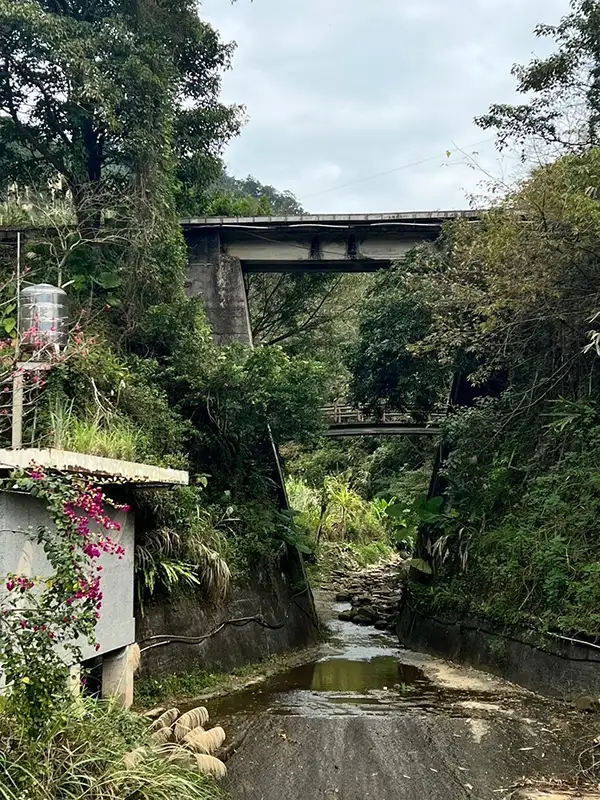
point(564, 112)
point(383, 364)
point(511, 297)
point(280, 203)
point(289, 305)
point(226, 196)
point(101, 93)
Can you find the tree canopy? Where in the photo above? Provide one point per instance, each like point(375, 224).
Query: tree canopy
point(99, 91)
point(562, 112)
point(511, 301)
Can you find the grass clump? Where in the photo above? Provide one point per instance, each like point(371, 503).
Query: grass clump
point(119, 440)
point(104, 434)
point(152, 691)
point(80, 754)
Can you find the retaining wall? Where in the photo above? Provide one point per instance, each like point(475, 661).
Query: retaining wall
point(270, 596)
point(538, 662)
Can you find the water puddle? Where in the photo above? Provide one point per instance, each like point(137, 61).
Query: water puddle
point(358, 671)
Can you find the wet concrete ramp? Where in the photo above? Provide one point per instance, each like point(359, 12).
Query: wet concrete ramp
point(368, 720)
point(386, 758)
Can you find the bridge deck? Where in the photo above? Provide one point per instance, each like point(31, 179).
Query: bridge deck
point(320, 242)
point(382, 429)
point(346, 420)
point(334, 220)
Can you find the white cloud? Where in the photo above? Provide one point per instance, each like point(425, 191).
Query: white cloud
point(339, 90)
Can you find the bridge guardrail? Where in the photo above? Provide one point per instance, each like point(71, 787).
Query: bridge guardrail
point(351, 415)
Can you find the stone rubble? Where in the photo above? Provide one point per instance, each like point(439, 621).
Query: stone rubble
point(375, 594)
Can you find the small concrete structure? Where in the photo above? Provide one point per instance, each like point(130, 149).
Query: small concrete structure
point(222, 249)
point(21, 514)
point(103, 469)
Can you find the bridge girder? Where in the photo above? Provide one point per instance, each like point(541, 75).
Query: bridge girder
point(320, 243)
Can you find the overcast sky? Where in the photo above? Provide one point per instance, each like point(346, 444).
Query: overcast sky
point(339, 90)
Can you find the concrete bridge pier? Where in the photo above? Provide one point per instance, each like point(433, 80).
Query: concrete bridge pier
point(216, 276)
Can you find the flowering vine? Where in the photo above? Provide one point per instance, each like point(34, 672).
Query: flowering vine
point(44, 618)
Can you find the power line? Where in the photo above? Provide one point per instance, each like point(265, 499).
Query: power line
point(390, 171)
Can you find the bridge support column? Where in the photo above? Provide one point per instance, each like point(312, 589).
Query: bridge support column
point(217, 278)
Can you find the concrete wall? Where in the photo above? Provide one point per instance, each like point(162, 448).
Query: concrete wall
point(21, 515)
point(330, 248)
point(217, 278)
point(541, 663)
point(233, 646)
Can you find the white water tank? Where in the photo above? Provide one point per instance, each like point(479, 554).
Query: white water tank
point(43, 320)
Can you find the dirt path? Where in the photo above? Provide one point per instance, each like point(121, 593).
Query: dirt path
point(367, 719)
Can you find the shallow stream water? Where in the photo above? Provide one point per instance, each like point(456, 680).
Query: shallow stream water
point(359, 670)
point(367, 719)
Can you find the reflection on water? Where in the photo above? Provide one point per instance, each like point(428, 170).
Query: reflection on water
point(330, 686)
point(357, 671)
point(344, 675)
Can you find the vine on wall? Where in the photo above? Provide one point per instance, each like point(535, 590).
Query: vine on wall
point(44, 619)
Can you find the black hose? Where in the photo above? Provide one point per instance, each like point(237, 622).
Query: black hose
point(240, 622)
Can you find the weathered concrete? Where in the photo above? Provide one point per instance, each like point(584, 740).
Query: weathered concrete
point(216, 276)
point(409, 756)
point(234, 645)
point(368, 720)
point(101, 468)
point(313, 243)
point(541, 663)
point(117, 677)
point(221, 249)
point(21, 515)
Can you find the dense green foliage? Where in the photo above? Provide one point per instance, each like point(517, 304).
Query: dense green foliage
point(518, 299)
point(383, 363)
point(97, 92)
point(249, 198)
point(127, 125)
point(342, 495)
point(511, 303)
point(80, 755)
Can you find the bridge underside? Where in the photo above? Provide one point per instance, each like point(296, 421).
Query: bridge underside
point(318, 243)
point(391, 429)
point(221, 250)
point(309, 267)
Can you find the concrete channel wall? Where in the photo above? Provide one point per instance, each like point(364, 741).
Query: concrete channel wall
point(544, 664)
point(235, 645)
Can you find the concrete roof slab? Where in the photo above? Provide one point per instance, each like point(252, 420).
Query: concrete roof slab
point(106, 470)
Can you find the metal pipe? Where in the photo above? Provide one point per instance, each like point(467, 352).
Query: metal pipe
point(17, 396)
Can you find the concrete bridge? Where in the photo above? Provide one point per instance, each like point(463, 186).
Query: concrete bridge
point(222, 249)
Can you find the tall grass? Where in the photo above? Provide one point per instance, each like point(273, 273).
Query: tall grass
point(118, 439)
point(101, 434)
point(28, 208)
point(80, 756)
